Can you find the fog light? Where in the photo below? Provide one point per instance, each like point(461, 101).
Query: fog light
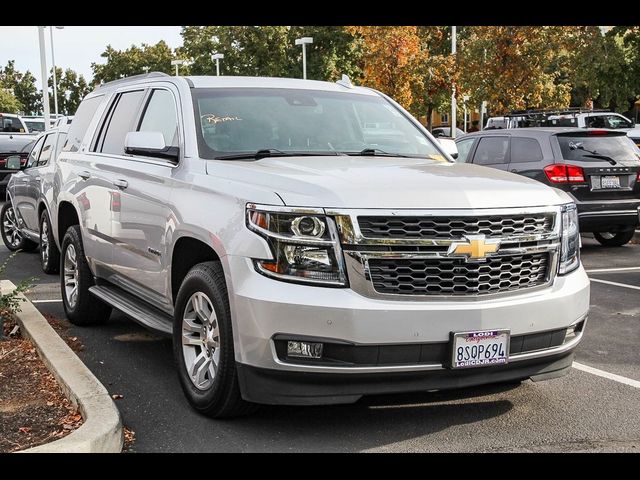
point(571, 333)
point(304, 349)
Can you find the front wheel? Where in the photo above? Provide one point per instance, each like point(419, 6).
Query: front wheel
point(11, 234)
point(617, 239)
point(81, 307)
point(203, 344)
point(49, 253)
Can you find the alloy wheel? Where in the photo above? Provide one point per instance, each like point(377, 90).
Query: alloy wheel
point(200, 341)
point(11, 230)
point(71, 276)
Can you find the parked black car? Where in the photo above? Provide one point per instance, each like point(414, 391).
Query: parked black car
point(12, 144)
point(599, 168)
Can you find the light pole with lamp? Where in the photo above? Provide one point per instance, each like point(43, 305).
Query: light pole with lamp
point(53, 61)
point(43, 73)
point(304, 41)
point(177, 64)
point(217, 57)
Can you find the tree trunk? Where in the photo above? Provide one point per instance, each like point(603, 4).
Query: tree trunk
point(429, 114)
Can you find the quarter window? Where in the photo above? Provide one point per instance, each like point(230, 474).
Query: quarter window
point(80, 123)
point(525, 150)
point(121, 122)
point(47, 149)
point(161, 116)
point(33, 155)
point(492, 151)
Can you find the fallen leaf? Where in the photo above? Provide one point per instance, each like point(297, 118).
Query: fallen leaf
point(117, 396)
point(49, 404)
point(24, 429)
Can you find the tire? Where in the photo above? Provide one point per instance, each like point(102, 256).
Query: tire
point(617, 239)
point(213, 390)
point(81, 308)
point(11, 235)
point(49, 253)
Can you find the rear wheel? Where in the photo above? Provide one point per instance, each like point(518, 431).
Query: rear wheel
point(81, 307)
point(614, 239)
point(11, 235)
point(203, 344)
point(49, 253)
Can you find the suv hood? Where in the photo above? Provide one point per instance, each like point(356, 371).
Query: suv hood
point(387, 182)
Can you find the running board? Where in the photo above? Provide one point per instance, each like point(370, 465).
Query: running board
point(137, 309)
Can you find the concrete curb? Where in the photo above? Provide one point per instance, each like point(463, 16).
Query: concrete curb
point(636, 236)
point(101, 431)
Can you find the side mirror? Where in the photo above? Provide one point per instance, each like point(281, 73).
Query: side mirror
point(449, 146)
point(13, 162)
point(150, 144)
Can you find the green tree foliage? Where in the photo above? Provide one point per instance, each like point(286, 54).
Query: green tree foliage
point(71, 90)
point(271, 51)
point(8, 101)
point(23, 87)
point(132, 61)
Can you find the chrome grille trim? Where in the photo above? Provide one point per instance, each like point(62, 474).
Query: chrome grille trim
point(357, 261)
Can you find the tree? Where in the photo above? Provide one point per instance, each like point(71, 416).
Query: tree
point(8, 101)
point(271, 51)
point(513, 67)
point(392, 60)
point(23, 87)
point(628, 38)
point(72, 88)
point(132, 61)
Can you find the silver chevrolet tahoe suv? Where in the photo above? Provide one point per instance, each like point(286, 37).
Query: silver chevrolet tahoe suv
point(309, 243)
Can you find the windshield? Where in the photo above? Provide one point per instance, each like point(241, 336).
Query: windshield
point(34, 126)
point(582, 148)
point(245, 120)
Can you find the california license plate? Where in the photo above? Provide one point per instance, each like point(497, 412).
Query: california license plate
point(480, 349)
point(610, 181)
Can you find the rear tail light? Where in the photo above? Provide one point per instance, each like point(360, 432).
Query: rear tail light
point(560, 173)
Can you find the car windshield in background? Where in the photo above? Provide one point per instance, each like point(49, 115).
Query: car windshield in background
point(619, 148)
point(35, 126)
point(289, 121)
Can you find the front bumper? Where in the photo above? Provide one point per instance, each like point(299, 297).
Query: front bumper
point(263, 308)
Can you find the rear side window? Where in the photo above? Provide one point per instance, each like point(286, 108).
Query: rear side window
point(81, 121)
point(525, 150)
point(47, 150)
point(590, 147)
point(464, 147)
point(615, 121)
point(120, 122)
point(161, 116)
point(492, 151)
point(61, 139)
point(11, 125)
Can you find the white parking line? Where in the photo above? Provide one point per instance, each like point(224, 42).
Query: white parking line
point(616, 284)
point(610, 376)
point(47, 301)
point(621, 269)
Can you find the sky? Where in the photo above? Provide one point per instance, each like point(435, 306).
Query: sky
point(76, 47)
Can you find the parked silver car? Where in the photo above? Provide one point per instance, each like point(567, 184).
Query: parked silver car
point(309, 243)
point(25, 218)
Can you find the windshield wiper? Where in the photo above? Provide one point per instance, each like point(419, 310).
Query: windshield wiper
point(601, 157)
point(270, 152)
point(375, 152)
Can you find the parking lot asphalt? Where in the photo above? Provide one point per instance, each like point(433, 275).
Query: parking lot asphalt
point(583, 411)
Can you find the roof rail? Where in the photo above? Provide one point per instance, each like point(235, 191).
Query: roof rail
point(134, 77)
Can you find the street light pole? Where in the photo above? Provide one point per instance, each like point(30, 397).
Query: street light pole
point(177, 64)
point(53, 61)
point(304, 41)
point(43, 73)
point(217, 57)
point(465, 99)
point(453, 86)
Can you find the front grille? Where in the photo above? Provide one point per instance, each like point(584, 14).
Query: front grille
point(457, 227)
point(453, 276)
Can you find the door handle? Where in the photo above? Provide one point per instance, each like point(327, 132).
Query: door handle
point(84, 175)
point(121, 184)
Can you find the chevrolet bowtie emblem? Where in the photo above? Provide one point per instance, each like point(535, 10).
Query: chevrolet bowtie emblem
point(475, 247)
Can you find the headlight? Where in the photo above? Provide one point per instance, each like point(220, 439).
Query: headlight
point(304, 243)
point(570, 248)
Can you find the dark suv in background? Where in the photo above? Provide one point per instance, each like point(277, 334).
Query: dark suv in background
point(599, 168)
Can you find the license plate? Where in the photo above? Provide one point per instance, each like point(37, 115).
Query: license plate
point(480, 349)
point(610, 181)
